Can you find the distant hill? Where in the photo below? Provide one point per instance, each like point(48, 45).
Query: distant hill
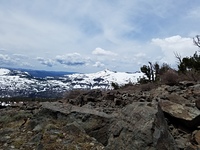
point(44, 73)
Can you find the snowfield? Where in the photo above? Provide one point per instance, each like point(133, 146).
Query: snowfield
point(107, 77)
point(4, 71)
point(17, 83)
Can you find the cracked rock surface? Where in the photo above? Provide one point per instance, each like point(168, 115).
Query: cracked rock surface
point(165, 117)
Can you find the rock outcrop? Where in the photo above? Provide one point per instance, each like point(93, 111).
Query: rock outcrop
point(163, 118)
point(140, 126)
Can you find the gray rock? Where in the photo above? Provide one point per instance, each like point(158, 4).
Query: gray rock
point(95, 123)
point(140, 126)
point(176, 98)
point(181, 111)
point(36, 139)
point(196, 90)
point(38, 128)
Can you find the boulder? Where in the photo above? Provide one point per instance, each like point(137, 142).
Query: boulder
point(176, 98)
point(140, 126)
point(93, 122)
point(68, 109)
point(136, 125)
point(189, 116)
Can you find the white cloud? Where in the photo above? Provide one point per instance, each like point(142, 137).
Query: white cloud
point(6, 60)
point(175, 44)
point(71, 59)
point(120, 29)
point(46, 62)
point(140, 55)
point(98, 64)
point(102, 52)
point(20, 55)
point(14, 60)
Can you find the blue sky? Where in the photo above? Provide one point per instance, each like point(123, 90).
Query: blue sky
point(92, 35)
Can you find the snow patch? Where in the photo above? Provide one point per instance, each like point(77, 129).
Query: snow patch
point(4, 71)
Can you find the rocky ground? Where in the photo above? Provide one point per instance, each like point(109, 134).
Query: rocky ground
point(132, 118)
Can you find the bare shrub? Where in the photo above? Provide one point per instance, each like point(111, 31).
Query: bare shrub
point(139, 87)
point(148, 86)
point(191, 75)
point(170, 77)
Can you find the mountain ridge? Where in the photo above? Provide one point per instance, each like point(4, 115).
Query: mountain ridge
point(42, 73)
point(16, 83)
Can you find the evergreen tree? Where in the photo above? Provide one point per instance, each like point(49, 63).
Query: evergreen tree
point(190, 63)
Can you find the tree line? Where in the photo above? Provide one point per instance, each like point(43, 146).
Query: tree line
point(188, 66)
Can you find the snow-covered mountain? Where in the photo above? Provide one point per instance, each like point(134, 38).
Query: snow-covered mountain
point(15, 83)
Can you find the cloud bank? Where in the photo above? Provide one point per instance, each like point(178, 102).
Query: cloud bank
point(175, 44)
point(86, 37)
point(73, 59)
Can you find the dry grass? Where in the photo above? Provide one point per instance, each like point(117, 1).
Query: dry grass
point(73, 94)
point(139, 87)
point(190, 76)
point(148, 86)
point(170, 77)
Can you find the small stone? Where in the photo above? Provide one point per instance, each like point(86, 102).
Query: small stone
point(59, 140)
point(12, 146)
point(7, 137)
point(53, 136)
point(92, 144)
point(29, 132)
point(37, 128)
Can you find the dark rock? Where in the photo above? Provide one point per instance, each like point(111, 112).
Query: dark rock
point(161, 135)
point(187, 83)
point(197, 103)
point(36, 139)
point(111, 95)
point(73, 128)
point(95, 123)
point(163, 118)
point(189, 116)
point(139, 126)
point(118, 102)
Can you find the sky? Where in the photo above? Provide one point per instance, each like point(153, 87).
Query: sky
point(93, 35)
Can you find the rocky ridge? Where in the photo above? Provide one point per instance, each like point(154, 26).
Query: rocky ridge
point(165, 117)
